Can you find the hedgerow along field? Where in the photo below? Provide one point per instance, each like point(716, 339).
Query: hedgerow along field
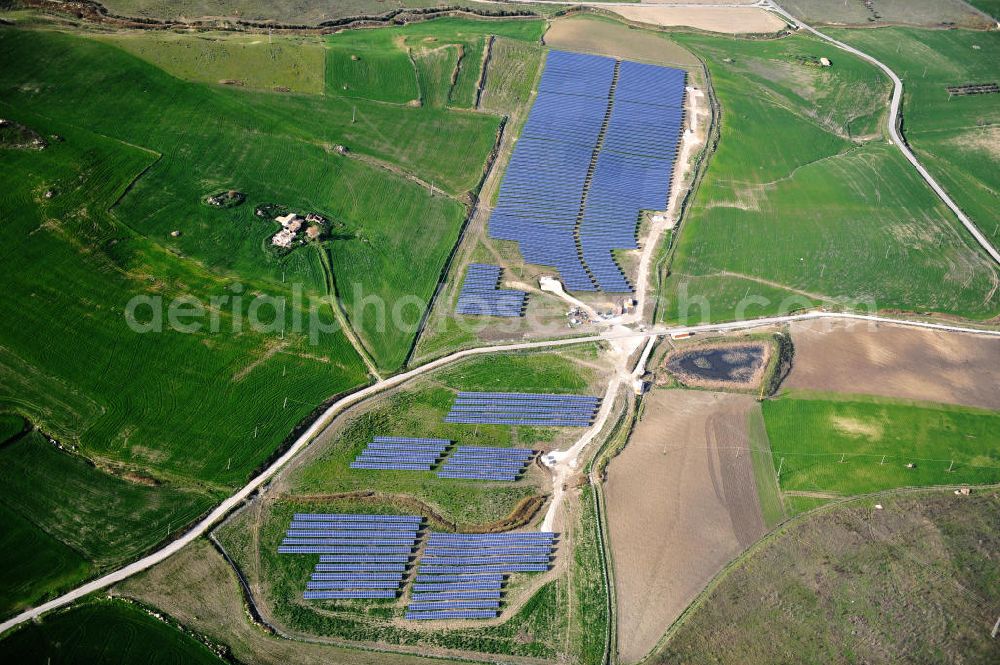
point(803, 199)
point(957, 137)
point(323, 483)
point(105, 632)
point(191, 412)
point(846, 445)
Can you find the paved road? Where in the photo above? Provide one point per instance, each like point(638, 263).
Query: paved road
point(307, 437)
point(893, 126)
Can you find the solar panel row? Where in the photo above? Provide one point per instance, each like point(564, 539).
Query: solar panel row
point(481, 463)
point(361, 556)
point(481, 294)
point(451, 614)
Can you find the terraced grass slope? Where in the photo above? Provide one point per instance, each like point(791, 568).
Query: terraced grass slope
point(804, 202)
point(104, 632)
point(914, 582)
point(849, 445)
point(957, 137)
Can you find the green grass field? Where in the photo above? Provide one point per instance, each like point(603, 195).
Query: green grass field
point(510, 75)
point(11, 425)
point(305, 11)
point(957, 137)
point(420, 411)
point(104, 632)
point(991, 7)
point(852, 444)
point(916, 582)
point(803, 202)
point(258, 62)
point(133, 152)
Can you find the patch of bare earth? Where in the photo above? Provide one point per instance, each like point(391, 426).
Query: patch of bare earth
point(590, 34)
point(681, 504)
point(728, 20)
point(896, 362)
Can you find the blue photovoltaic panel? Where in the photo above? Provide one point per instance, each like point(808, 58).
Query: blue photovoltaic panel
point(358, 576)
point(587, 109)
point(335, 517)
point(459, 595)
point(355, 526)
point(451, 614)
point(457, 586)
point(470, 577)
point(481, 294)
point(333, 557)
point(426, 569)
point(454, 605)
point(356, 593)
point(352, 584)
point(360, 566)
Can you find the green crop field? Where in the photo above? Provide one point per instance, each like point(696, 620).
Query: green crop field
point(804, 202)
point(915, 582)
point(956, 137)
point(852, 444)
point(257, 62)
point(11, 425)
point(104, 632)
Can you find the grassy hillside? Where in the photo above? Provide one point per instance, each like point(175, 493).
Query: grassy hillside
point(259, 62)
point(114, 208)
point(853, 445)
point(957, 137)
point(916, 582)
point(104, 632)
point(804, 202)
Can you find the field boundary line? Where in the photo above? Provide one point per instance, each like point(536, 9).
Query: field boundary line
point(893, 125)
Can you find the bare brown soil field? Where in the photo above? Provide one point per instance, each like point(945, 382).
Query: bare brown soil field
point(930, 13)
point(200, 590)
point(896, 362)
point(593, 34)
point(712, 19)
point(681, 504)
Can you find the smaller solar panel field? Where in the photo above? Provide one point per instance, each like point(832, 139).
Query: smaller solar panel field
point(479, 463)
point(361, 556)
point(541, 410)
point(462, 576)
point(481, 294)
point(401, 454)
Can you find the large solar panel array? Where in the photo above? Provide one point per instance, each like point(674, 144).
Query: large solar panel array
point(361, 556)
point(524, 409)
point(401, 453)
point(477, 463)
point(462, 576)
point(481, 294)
point(598, 147)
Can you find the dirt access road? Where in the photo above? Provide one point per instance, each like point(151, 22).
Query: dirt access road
point(682, 503)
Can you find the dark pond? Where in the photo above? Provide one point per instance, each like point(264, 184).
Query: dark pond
point(730, 363)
